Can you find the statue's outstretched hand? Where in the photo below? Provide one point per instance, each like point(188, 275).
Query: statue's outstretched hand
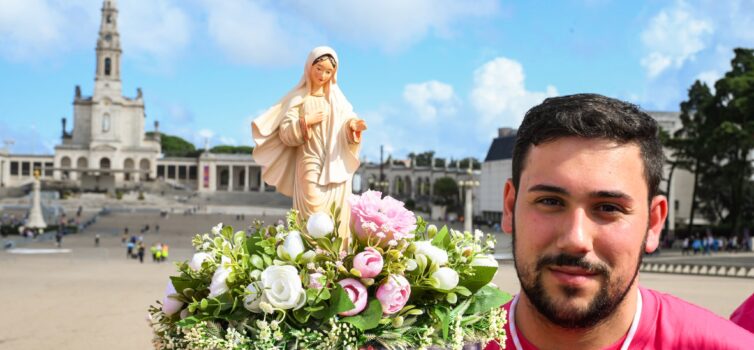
point(358, 125)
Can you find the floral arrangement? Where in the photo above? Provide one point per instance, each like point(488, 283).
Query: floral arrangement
point(394, 283)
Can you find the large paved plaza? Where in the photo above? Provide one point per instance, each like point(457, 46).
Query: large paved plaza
point(94, 297)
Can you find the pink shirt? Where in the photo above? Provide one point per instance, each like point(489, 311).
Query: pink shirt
point(744, 315)
point(668, 323)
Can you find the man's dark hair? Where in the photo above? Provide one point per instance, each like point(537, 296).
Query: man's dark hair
point(591, 116)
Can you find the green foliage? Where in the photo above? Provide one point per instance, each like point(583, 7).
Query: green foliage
point(367, 319)
point(175, 146)
point(232, 149)
point(715, 142)
point(422, 159)
point(445, 191)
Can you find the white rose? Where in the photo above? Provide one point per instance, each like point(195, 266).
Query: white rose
point(484, 260)
point(217, 229)
point(252, 300)
point(282, 287)
point(438, 255)
point(319, 225)
point(218, 285)
point(169, 305)
point(447, 278)
point(293, 245)
point(198, 259)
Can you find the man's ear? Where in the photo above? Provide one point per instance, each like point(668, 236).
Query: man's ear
point(509, 203)
point(658, 211)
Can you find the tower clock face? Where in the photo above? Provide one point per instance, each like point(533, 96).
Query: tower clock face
point(108, 37)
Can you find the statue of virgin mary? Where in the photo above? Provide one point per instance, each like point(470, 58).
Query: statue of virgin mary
point(308, 143)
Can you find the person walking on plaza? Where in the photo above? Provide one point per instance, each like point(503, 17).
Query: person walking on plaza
point(141, 252)
point(96, 240)
point(685, 247)
point(153, 250)
point(165, 251)
point(583, 206)
point(130, 249)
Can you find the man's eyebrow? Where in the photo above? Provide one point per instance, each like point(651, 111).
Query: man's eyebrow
point(548, 188)
point(610, 194)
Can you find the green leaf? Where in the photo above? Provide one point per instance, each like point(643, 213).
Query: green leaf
point(443, 315)
point(251, 244)
point(339, 301)
point(442, 238)
point(183, 283)
point(482, 276)
point(368, 318)
point(301, 315)
point(324, 243)
point(487, 298)
point(188, 321)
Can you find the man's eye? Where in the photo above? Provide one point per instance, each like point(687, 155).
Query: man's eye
point(550, 201)
point(609, 208)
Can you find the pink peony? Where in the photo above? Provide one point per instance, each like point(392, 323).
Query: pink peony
point(393, 294)
point(381, 219)
point(369, 262)
point(357, 293)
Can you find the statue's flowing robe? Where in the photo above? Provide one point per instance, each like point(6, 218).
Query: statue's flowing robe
point(314, 165)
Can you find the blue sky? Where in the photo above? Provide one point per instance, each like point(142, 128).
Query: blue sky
point(437, 75)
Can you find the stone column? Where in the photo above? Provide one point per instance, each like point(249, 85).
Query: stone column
point(468, 215)
point(231, 177)
point(246, 179)
point(261, 181)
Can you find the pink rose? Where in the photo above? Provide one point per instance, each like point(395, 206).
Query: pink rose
point(369, 262)
point(380, 219)
point(393, 294)
point(315, 280)
point(357, 293)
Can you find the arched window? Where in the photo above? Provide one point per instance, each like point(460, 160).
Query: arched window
point(106, 123)
point(107, 66)
point(104, 163)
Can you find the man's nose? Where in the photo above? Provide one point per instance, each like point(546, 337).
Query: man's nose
point(576, 233)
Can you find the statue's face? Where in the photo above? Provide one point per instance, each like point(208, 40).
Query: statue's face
point(321, 73)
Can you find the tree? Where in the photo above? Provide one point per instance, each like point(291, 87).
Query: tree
point(689, 145)
point(422, 159)
point(464, 163)
point(232, 149)
point(445, 191)
point(715, 142)
point(174, 146)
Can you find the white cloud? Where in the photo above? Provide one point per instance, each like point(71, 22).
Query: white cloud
point(391, 25)
point(673, 37)
point(500, 97)
point(158, 29)
point(225, 140)
point(33, 28)
point(255, 33)
point(430, 99)
point(27, 139)
point(36, 29)
point(709, 77)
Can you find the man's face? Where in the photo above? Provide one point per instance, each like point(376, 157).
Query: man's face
point(580, 222)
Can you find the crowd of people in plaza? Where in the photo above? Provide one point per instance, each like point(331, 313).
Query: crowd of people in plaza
point(136, 247)
point(708, 243)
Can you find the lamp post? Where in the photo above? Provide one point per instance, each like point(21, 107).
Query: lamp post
point(468, 213)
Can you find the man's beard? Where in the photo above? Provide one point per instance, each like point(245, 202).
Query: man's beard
point(610, 295)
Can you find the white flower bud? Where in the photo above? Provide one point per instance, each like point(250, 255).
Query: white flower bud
point(484, 260)
point(447, 278)
point(293, 245)
point(438, 255)
point(320, 225)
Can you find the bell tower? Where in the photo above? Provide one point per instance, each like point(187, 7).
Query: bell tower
point(107, 76)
